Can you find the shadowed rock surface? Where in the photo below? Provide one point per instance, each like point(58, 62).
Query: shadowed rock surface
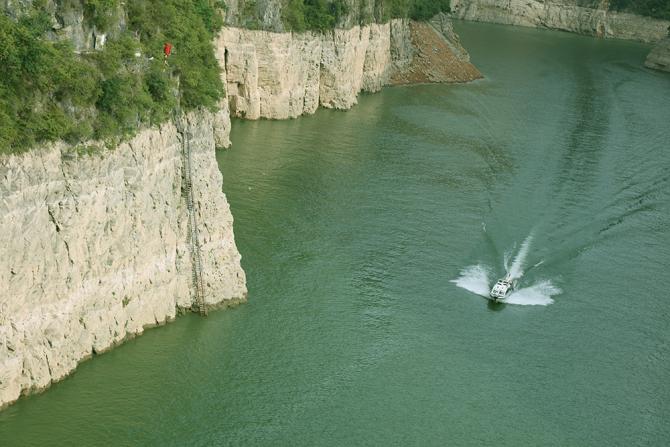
point(438, 57)
point(659, 58)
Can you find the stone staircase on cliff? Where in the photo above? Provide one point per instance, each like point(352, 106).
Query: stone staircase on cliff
point(194, 240)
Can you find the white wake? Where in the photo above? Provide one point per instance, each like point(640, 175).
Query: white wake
point(516, 271)
point(475, 278)
point(539, 294)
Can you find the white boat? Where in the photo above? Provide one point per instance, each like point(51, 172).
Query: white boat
point(502, 288)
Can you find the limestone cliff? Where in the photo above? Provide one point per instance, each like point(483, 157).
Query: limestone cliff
point(285, 75)
point(564, 15)
point(95, 248)
point(659, 58)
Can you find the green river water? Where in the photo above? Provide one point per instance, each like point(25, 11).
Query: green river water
point(364, 235)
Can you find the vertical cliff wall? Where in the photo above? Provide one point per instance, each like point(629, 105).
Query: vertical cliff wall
point(95, 247)
point(564, 15)
point(285, 75)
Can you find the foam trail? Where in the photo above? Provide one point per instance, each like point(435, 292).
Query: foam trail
point(516, 270)
point(536, 295)
point(475, 279)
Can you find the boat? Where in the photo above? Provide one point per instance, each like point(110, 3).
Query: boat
point(502, 288)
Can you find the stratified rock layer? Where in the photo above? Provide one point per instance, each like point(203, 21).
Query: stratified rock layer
point(95, 248)
point(563, 15)
point(659, 58)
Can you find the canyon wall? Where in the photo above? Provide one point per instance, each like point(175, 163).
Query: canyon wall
point(285, 75)
point(95, 247)
point(564, 15)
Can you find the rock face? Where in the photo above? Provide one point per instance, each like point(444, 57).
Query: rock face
point(95, 248)
point(659, 58)
point(563, 15)
point(285, 75)
point(438, 56)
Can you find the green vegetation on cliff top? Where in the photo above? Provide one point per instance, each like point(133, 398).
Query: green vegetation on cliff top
point(659, 9)
point(317, 15)
point(49, 92)
point(322, 15)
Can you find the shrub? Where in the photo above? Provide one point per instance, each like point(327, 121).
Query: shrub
point(426, 9)
point(396, 8)
point(101, 13)
point(190, 27)
point(249, 15)
point(321, 15)
point(38, 81)
point(315, 15)
point(293, 15)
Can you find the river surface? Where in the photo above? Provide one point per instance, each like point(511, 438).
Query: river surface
point(366, 237)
